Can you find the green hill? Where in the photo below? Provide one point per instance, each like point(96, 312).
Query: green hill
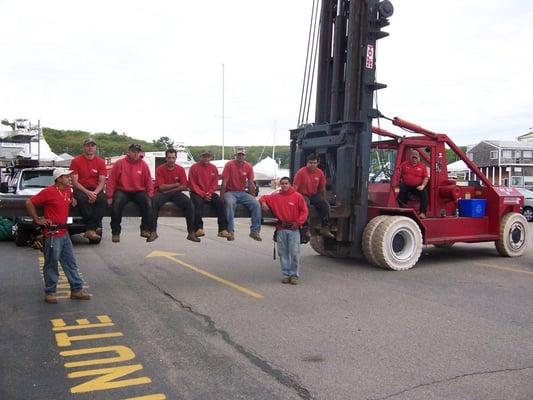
point(115, 144)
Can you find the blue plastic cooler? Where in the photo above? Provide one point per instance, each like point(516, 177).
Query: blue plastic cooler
point(472, 207)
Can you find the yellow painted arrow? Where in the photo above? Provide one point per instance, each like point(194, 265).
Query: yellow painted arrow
point(172, 257)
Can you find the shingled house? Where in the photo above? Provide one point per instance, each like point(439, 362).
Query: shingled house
point(505, 162)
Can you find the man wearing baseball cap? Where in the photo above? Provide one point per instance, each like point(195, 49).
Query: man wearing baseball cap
point(238, 175)
point(130, 180)
point(88, 180)
point(55, 201)
point(203, 184)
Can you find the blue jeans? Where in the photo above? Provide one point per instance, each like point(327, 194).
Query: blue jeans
point(231, 199)
point(289, 251)
point(60, 249)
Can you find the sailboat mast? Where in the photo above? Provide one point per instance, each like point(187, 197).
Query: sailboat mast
point(223, 112)
point(274, 144)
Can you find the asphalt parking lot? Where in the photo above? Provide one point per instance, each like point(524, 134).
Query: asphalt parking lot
point(179, 320)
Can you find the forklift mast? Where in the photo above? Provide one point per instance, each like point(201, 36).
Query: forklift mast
point(341, 134)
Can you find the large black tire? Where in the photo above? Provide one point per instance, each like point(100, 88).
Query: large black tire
point(514, 235)
point(318, 245)
point(397, 243)
point(22, 237)
point(368, 238)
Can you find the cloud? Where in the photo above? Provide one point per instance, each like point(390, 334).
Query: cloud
point(154, 69)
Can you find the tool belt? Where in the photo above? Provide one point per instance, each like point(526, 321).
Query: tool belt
point(53, 228)
point(286, 225)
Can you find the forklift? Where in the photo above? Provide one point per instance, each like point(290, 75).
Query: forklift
point(365, 216)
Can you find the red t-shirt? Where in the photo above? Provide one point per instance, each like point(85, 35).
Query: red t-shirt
point(237, 175)
point(88, 171)
point(203, 179)
point(129, 176)
point(308, 182)
point(55, 203)
point(289, 206)
point(165, 176)
point(413, 175)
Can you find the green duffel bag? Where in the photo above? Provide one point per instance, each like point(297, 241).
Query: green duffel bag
point(6, 231)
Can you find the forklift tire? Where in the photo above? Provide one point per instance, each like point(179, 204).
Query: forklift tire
point(318, 245)
point(368, 238)
point(514, 235)
point(397, 243)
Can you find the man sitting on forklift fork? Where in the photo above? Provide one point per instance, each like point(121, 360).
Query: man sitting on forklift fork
point(414, 177)
point(310, 181)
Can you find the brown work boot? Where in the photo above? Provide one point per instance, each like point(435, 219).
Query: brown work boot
point(199, 232)
point(327, 233)
point(153, 236)
point(255, 236)
point(422, 216)
point(92, 235)
point(192, 238)
point(286, 279)
point(231, 236)
point(115, 238)
point(50, 298)
point(224, 233)
point(80, 295)
point(145, 233)
point(294, 280)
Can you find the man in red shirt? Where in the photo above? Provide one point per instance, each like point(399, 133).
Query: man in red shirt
point(414, 177)
point(130, 180)
point(310, 181)
point(203, 183)
point(55, 201)
point(88, 179)
point(237, 175)
point(290, 208)
point(170, 182)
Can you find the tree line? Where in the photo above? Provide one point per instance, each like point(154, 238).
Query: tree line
point(115, 144)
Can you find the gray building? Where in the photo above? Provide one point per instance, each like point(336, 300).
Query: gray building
point(505, 162)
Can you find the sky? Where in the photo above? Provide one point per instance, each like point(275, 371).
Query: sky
point(152, 69)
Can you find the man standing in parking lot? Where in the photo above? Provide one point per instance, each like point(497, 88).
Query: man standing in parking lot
point(130, 180)
point(238, 175)
point(290, 208)
point(55, 201)
point(88, 179)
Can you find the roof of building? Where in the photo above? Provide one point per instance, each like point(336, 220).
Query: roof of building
point(525, 136)
point(511, 144)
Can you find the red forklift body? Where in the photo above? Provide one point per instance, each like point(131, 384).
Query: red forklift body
point(444, 223)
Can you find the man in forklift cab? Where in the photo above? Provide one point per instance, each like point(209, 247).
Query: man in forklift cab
point(414, 178)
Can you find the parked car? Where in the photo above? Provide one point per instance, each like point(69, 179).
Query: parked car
point(28, 182)
point(527, 209)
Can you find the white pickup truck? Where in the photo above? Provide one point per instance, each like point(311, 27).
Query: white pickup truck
point(28, 182)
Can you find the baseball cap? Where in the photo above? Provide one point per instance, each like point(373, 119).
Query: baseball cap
point(206, 152)
point(135, 147)
point(240, 150)
point(58, 172)
point(89, 141)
